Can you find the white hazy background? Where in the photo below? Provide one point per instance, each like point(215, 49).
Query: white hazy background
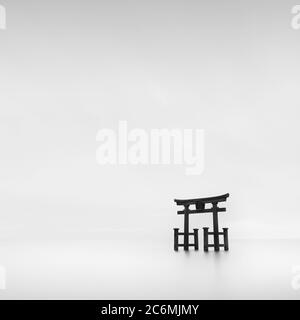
point(70, 68)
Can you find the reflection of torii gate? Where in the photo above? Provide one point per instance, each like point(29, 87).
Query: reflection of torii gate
point(200, 207)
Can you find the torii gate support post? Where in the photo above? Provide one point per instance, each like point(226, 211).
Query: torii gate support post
point(225, 232)
point(205, 238)
point(186, 228)
point(186, 233)
point(216, 226)
point(176, 234)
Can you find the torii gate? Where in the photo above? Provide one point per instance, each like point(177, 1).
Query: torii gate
point(200, 207)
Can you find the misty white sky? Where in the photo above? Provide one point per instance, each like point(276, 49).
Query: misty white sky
point(70, 68)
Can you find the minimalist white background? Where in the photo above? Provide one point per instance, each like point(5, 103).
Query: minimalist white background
point(70, 68)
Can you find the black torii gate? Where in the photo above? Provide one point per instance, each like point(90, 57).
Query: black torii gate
point(200, 206)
